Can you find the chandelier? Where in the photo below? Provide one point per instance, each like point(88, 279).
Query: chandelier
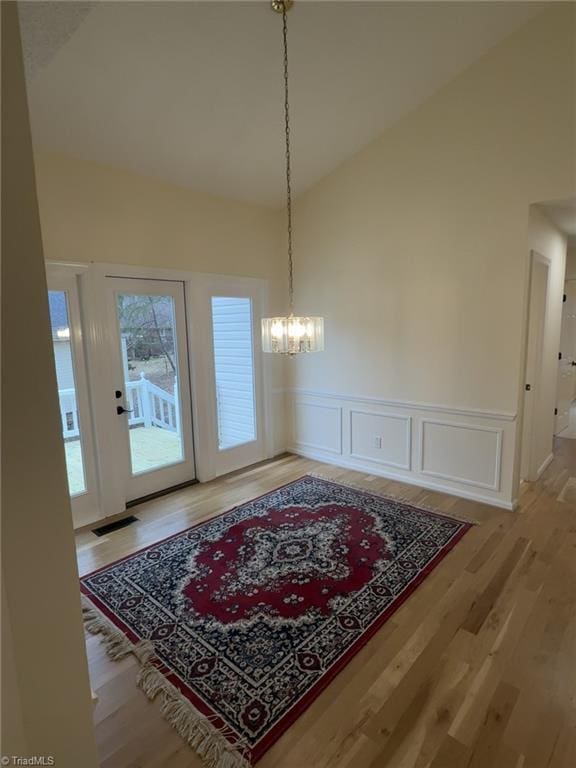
point(292, 334)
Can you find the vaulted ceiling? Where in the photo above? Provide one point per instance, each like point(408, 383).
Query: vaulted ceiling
point(191, 92)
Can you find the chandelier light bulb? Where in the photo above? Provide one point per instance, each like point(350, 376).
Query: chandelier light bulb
point(292, 335)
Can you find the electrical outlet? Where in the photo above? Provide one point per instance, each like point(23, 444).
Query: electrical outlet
point(377, 441)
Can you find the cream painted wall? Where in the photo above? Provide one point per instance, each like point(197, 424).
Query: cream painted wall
point(93, 212)
point(12, 733)
point(545, 238)
point(416, 249)
point(42, 633)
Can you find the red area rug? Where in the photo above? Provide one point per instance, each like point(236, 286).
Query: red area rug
point(241, 621)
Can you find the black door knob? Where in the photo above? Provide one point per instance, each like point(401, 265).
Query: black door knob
point(120, 410)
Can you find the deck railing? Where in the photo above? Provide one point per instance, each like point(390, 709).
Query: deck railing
point(150, 406)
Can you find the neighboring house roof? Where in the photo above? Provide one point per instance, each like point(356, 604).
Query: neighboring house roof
point(58, 313)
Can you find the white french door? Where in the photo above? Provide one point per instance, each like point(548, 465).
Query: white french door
point(123, 339)
point(151, 384)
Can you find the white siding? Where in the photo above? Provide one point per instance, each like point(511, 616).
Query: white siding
point(64, 368)
point(234, 370)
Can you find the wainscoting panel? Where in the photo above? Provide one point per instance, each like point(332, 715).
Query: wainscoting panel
point(318, 426)
point(466, 452)
point(462, 453)
point(384, 438)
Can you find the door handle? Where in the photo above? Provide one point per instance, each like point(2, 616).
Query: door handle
point(120, 410)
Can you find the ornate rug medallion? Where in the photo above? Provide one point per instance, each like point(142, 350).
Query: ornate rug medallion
point(248, 616)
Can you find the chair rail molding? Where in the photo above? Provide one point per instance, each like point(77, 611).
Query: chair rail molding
point(410, 404)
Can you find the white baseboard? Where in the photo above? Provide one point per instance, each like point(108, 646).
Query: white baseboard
point(545, 464)
point(422, 482)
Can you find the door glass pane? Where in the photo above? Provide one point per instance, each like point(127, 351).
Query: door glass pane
point(69, 416)
point(234, 370)
point(150, 361)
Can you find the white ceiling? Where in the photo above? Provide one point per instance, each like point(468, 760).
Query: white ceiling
point(191, 91)
point(563, 214)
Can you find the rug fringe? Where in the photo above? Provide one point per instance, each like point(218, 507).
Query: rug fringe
point(115, 641)
point(198, 730)
point(393, 497)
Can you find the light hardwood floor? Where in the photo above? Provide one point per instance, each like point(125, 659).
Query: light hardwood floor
point(477, 668)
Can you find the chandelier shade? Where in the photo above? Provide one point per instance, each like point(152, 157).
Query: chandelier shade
point(292, 335)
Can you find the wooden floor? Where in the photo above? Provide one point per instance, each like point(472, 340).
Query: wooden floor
point(477, 668)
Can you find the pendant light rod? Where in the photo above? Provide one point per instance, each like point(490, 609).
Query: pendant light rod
point(290, 335)
point(283, 6)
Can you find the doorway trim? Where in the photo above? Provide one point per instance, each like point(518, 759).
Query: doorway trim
point(566, 362)
point(86, 505)
point(534, 345)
